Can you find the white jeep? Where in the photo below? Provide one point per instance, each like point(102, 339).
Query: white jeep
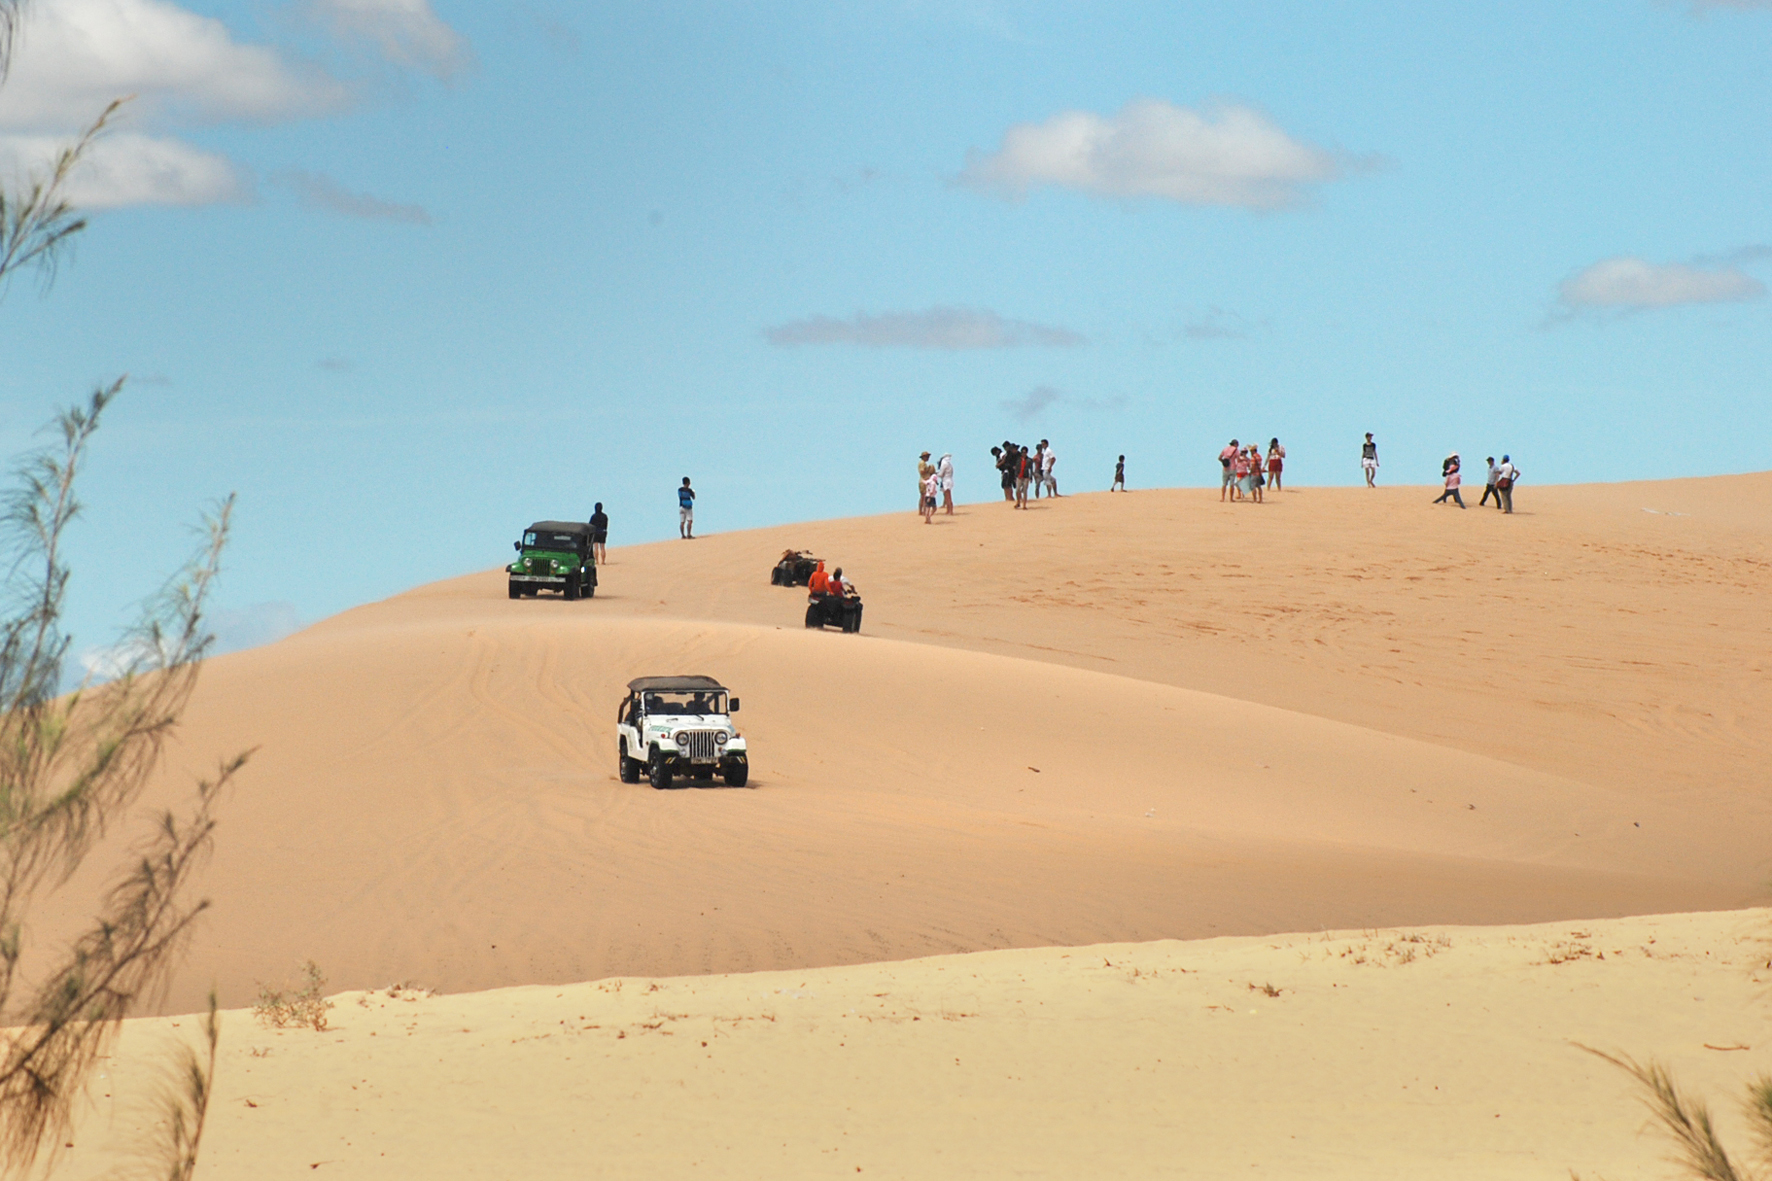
point(672, 726)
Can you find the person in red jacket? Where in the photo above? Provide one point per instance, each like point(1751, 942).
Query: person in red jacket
point(820, 581)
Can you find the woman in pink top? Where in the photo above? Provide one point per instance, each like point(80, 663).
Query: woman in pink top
point(1240, 466)
point(1453, 480)
point(1276, 460)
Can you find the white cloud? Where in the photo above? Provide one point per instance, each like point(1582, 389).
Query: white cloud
point(1031, 404)
point(231, 631)
point(938, 328)
point(1216, 323)
point(124, 168)
point(1630, 284)
point(75, 56)
point(109, 663)
point(405, 32)
point(1228, 155)
point(319, 191)
point(251, 626)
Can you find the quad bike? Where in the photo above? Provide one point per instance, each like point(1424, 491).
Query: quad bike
point(839, 611)
point(794, 569)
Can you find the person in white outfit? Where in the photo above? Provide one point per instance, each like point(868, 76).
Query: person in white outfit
point(945, 470)
point(1047, 462)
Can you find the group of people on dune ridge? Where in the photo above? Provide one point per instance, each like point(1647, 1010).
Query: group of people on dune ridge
point(935, 479)
point(1246, 473)
point(1499, 483)
point(1022, 469)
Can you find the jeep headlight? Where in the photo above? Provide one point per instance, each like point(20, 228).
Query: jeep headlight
point(720, 738)
point(681, 738)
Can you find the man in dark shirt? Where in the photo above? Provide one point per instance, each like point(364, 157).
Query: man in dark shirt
point(599, 535)
point(1369, 460)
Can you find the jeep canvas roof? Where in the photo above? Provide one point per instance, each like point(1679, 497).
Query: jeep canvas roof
point(558, 527)
point(672, 684)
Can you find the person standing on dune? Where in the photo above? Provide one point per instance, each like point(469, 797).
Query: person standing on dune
point(1023, 468)
point(1489, 488)
point(1119, 484)
point(924, 468)
point(1506, 476)
point(1369, 460)
point(1001, 458)
point(944, 468)
point(1227, 460)
point(686, 511)
point(1048, 461)
point(1276, 463)
point(599, 524)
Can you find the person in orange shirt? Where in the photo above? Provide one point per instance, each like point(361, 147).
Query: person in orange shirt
point(819, 582)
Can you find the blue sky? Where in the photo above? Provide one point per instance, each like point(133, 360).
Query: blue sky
point(408, 275)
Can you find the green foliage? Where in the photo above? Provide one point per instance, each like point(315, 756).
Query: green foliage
point(37, 224)
point(70, 766)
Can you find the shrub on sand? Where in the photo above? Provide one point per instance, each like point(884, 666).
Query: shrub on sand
point(302, 1007)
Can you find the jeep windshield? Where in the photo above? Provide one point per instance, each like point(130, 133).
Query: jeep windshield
point(669, 703)
point(543, 539)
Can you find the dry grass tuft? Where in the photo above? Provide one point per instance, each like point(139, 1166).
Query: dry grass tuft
point(301, 1007)
point(1700, 1153)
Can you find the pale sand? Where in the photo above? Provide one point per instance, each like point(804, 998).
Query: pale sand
point(1114, 718)
point(1442, 1052)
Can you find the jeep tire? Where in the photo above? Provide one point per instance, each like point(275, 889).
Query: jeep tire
point(516, 590)
point(627, 769)
point(737, 773)
point(658, 772)
point(570, 590)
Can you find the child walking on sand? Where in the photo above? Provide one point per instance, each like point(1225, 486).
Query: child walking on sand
point(931, 484)
point(1119, 484)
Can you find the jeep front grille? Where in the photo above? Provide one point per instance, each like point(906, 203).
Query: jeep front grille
point(700, 745)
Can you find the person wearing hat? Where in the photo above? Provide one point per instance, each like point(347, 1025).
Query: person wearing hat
point(1507, 475)
point(1450, 470)
point(924, 468)
point(1489, 488)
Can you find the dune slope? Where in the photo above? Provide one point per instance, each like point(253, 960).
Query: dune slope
point(1037, 741)
point(1427, 1052)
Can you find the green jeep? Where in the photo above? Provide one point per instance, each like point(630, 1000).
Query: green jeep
point(554, 555)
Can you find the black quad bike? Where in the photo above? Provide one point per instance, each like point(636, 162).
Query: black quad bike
point(839, 611)
point(794, 569)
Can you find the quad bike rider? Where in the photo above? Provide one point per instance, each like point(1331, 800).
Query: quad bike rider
point(833, 602)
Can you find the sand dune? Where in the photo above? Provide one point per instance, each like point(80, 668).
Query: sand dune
point(1428, 1052)
point(1113, 718)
